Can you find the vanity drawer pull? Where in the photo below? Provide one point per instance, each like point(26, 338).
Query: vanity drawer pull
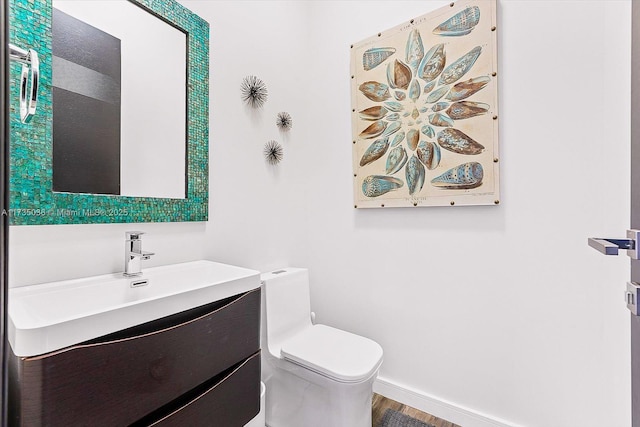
point(118, 381)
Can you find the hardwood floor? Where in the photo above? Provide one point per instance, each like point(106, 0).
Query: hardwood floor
point(381, 404)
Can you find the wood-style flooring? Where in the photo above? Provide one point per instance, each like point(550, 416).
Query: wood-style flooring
point(381, 404)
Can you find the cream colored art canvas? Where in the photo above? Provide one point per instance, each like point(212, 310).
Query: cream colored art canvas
point(425, 111)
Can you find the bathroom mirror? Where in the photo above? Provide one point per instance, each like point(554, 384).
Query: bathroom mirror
point(108, 57)
point(122, 134)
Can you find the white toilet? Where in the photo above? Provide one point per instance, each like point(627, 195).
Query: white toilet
point(315, 375)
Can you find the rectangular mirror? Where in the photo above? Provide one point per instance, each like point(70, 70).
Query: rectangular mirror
point(122, 129)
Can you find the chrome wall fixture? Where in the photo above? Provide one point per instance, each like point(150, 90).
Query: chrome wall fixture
point(30, 62)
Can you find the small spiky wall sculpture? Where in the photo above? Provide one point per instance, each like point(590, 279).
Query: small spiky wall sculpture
point(284, 121)
point(254, 91)
point(273, 152)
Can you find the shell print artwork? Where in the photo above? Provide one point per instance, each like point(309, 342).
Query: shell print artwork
point(377, 185)
point(465, 176)
point(398, 75)
point(429, 154)
point(424, 110)
point(373, 113)
point(460, 24)
point(397, 139)
point(415, 174)
point(396, 160)
point(458, 142)
point(467, 88)
point(466, 110)
point(375, 151)
point(374, 129)
point(415, 49)
point(375, 91)
point(433, 63)
point(376, 56)
point(459, 68)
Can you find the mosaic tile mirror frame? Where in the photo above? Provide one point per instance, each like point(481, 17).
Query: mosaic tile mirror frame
point(32, 198)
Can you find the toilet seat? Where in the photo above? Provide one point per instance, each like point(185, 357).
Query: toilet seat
point(334, 353)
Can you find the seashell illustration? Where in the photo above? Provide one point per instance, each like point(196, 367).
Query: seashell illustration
point(376, 56)
point(437, 94)
point(377, 185)
point(439, 106)
point(375, 151)
point(411, 123)
point(461, 177)
point(418, 121)
point(412, 139)
point(428, 130)
point(392, 128)
point(467, 88)
point(375, 91)
point(414, 90)
point(429, 87)
point(393, 117)
point(432, 63)
point(400, 96)
point(415, 114)
point(398, 75)
point(414, 173)
point(374, 129)
point(458, 142)
point(415, 49)
point(460, 24)
point(393, 106)
point(396, 160)
point(424, 109)
point(466, 109)
point(459, 68)
point(406, 114)
point(429, 154)
point(440, 119)
point(373, 113)
point(397, 139)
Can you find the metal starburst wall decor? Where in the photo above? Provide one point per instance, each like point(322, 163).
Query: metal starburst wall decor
point(284, 121)
point(254, 91)
point(273, 152)
point(425, 110)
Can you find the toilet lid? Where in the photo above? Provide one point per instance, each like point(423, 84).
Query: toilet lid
point(334, 353)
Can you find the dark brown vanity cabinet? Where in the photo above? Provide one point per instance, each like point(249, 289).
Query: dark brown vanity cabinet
point(200, 367)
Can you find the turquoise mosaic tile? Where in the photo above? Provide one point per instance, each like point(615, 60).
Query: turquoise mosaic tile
point(32, 200)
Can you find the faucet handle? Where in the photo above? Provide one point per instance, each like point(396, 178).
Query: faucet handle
point(133, 235)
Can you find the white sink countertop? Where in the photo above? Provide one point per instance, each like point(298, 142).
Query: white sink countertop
point(51, 316)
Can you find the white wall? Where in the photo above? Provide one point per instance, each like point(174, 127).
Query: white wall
point(502, 311)
point(258, 212)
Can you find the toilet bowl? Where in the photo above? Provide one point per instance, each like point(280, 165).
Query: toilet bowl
point(316, 375)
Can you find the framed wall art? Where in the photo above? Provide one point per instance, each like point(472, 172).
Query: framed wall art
point(425, 110)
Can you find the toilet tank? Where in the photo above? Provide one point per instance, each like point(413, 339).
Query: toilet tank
point(286, 305)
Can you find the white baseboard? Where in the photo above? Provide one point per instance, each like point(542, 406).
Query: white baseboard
point(440, 408)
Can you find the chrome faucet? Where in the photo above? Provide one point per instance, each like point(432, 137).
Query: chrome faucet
point(133, 253)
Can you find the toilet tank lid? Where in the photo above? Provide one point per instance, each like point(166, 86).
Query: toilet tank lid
point(334, 353)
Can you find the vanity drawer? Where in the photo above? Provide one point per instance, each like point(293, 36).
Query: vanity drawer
point(120, 378)
point(231, 402)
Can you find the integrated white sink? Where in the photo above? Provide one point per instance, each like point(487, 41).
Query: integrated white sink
point(51, 316)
